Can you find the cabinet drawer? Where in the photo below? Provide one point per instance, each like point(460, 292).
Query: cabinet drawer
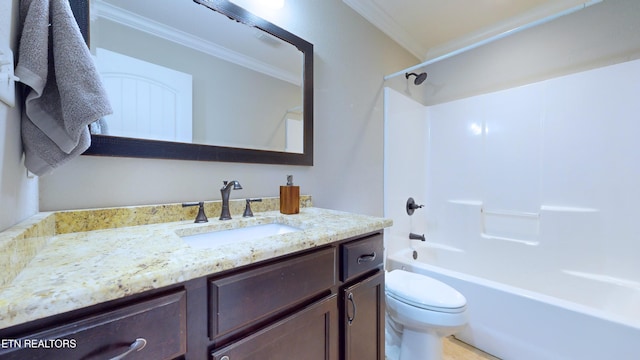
point(161, 322)
point(310, 334)
point(251, 296)
point(360, 256)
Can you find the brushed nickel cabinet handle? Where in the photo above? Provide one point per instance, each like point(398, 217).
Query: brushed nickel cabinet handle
point(353, 306)
point(137, 345)
point(366, 258)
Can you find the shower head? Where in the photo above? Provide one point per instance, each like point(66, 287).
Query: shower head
point(420, 78)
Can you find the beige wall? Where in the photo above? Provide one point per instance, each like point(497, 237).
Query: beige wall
point(18, 194)
point(603, 34)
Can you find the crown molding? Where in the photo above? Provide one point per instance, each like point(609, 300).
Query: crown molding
point(169, 33)
point(387, 25)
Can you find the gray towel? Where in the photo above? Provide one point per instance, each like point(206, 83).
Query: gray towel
point(65, 93)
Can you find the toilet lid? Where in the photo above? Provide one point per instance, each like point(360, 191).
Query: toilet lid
point(423, 292)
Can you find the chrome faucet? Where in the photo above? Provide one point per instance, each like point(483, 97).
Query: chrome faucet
point(225, 191)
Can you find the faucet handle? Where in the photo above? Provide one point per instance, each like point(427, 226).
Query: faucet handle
point(412, 206)
point(247, 209)
point(201, 217)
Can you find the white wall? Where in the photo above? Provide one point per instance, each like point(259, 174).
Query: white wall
point(405, 172)
point(18, 194)
point(351, 58)
point(544, 175)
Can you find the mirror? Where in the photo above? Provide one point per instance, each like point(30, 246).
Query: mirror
point(250, 98)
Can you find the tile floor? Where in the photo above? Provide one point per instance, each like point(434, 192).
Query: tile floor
point(455, 349)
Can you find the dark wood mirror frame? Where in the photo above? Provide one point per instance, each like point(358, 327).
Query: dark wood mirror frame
point(129, 147)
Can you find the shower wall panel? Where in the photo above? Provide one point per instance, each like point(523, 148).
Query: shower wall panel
point(551, 168)
point(405, 151)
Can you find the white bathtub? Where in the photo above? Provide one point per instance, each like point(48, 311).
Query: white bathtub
point(532, 314)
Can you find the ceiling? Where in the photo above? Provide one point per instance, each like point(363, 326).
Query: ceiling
point(431, 28)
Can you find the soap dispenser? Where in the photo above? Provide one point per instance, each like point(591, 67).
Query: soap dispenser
point(290, 197)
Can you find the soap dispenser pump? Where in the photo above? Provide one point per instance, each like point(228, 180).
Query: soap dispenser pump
point(290, 197)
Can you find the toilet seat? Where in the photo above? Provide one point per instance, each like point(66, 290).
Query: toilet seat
point(423, 292)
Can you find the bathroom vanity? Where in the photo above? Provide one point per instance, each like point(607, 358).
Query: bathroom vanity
point(315, 294)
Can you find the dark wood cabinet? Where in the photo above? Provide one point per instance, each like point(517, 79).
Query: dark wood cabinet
point(310, 334)
point(363, 325)
point(360, 256)
point(249, 297)
point(325, 303)
point(362, 299)
point(347, 325)
point(149, 329)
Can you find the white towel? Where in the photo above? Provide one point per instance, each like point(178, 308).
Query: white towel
point(65, 93)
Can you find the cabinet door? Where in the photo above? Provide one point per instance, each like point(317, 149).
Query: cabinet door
point(310, 334)
point(363, 319)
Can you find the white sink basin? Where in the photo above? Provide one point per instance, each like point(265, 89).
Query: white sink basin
point(249, 233)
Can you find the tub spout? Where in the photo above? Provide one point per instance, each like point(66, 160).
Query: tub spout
point(413, 236)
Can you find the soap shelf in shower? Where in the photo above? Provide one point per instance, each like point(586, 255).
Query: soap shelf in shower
point(510, 213)
point(508, 225)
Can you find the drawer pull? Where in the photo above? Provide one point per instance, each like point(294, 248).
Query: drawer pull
point(137, 345)
point(353, 306)
point(366, 258)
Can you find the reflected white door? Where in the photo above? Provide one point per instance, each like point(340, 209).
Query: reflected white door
point(294, 140)
point(149, 101)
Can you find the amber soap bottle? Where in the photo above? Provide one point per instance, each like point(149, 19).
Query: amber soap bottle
point(289, 197)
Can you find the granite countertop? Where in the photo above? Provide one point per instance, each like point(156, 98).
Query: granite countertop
point(73, 270)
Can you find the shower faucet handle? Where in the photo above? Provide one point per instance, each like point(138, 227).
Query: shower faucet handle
point(412, 206)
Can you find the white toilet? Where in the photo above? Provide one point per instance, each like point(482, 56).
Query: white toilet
point(421, 311)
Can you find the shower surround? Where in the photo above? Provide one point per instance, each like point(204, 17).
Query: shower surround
point(534, 188)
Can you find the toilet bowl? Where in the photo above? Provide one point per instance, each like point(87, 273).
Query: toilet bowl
point(421, 311)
